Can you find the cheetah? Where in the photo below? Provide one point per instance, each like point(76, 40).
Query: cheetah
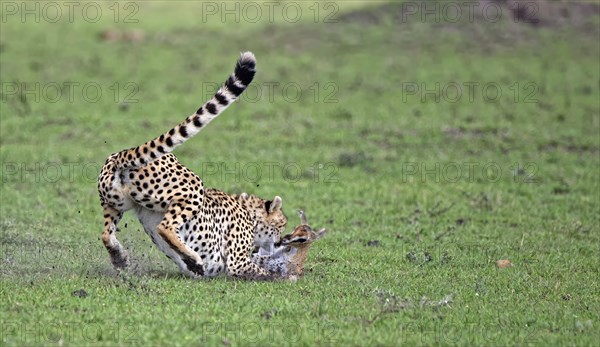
point(204, 231)
point(287, 259)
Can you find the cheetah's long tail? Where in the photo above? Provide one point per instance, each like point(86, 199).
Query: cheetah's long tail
point(234, 86)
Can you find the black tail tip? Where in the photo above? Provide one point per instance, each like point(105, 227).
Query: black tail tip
point(245, 68)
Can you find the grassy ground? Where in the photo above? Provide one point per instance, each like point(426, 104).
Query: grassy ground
point(429, 147)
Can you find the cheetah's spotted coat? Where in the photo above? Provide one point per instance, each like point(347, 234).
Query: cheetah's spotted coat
point(204, 231)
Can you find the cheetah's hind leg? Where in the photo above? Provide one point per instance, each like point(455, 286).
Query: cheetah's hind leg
point(178, 214)
point(118, 255)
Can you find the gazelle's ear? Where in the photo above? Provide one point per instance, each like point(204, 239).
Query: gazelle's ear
point(275, 205)
point(320, 233)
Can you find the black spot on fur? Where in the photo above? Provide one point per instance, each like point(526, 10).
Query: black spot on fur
point(211, 108)
point(183, 131)
point(169, 142)
point(232, 87)
point(221, 99)
point(197, 122)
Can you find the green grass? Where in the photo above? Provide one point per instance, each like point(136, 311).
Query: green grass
point(420, 197)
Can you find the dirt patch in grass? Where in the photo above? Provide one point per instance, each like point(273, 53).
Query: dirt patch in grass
point(487, 26)
point(351, 159)
point(535, 13)
point(476, 132)
point(373, 14)
point(568, 147)
point(549, 13)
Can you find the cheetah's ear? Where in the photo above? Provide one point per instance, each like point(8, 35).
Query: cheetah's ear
point(244, 196)
point(275, 205)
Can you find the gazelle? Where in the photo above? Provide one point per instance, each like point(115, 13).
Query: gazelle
point(288, 257)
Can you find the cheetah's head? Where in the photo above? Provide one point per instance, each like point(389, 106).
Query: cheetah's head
point(270, 221)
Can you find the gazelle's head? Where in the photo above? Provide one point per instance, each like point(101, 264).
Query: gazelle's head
point(290, 253)
point(303, 235)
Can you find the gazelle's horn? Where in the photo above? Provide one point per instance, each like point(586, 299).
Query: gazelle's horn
point(303, 220)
